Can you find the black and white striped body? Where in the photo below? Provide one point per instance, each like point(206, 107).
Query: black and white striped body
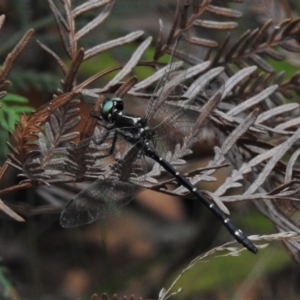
point(237, 233)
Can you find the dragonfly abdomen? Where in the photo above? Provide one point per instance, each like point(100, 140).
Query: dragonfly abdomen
point(237, 233)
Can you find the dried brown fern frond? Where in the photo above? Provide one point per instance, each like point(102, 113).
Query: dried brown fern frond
point(61, 112)
point(29, 126)
point(6, 68)
point(191, 13)
point(259, 44)
point(258, 157)
point(259, 163)
point(65, 164)
point(260, 47)
point(71, 38)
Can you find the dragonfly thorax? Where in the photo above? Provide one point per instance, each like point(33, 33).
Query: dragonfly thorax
point(133, 129)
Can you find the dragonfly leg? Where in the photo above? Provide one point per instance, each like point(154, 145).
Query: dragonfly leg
point(112, 148)
point(92, 113)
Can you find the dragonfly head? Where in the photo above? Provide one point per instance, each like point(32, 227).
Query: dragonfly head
point(110, 108)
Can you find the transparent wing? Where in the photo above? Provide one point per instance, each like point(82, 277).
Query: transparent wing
point(177, 121)
point(106, 196)
point(101, 198)
point(170, 81)
point(173, 129)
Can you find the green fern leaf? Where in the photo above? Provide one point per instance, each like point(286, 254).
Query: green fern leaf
point(11, 109)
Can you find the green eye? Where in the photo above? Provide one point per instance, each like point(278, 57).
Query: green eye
point(110, 107)
point(107, 107)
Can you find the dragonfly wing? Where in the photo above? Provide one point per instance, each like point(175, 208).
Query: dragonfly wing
point(100, 199)
point(178, 121)
point(181, 119)
point(170, 80)
point(105, 196)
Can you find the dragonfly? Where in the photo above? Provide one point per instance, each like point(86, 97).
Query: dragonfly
point(154, 135)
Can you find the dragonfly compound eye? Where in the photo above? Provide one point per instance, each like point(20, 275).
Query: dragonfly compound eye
point(110, 107)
